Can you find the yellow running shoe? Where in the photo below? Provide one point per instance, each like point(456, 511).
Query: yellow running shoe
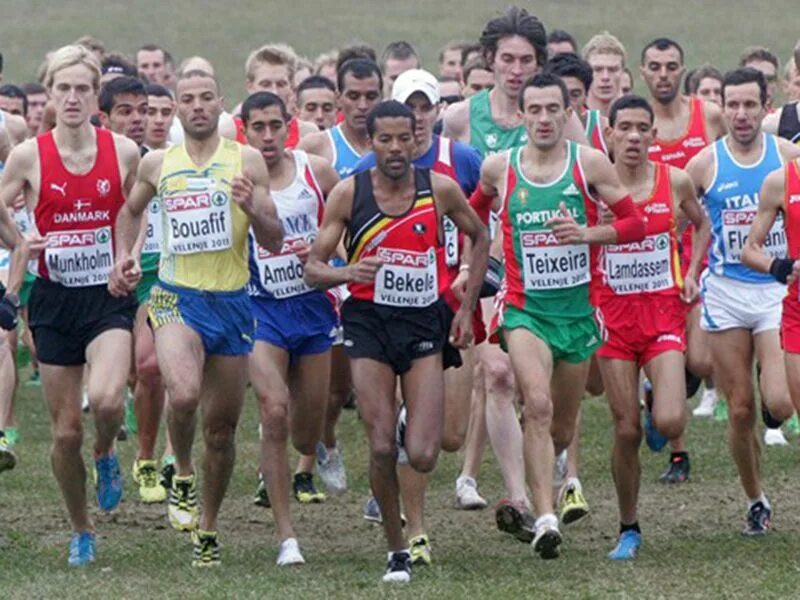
point(206, 549)
point(573, 504)
point(305, 491)
point(182, 509)
point(420, 550)
point(145, 473)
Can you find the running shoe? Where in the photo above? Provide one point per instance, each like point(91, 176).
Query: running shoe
point(85, 401)
point(467, 496)
point(677, 471)
point(182, 511)
point(708, 402)
point(627, 547)
point(7, 457)
point(331, 469)
point(721, 410)
point(775, 437)
point(655, 441)
point(12, 435)
point(81, 549)
point(167, 471)
point(122, 434)
point(758, 519)
point(289, 553)
point(793, 425)
point(573, 505)
point(304, 489)
point(400, 436)
point(131, 424)
point(35, 380)
point(206, 549)
point(372, 512)
point(399, 568)
point(515, 518)
point(420, 550)
point(548, 538)
point(145, 474)
point(108, 479)
point(261, 497)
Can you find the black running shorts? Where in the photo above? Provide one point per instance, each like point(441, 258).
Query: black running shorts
point(398, 336)
point(65, 320)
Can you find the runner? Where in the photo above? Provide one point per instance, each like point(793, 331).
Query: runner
point(13, 100)
point(546, 320)
point(450, 61)
point(316, 102)
point(606, 56)
point(477, 77)
point(397, 58)
point(395, 323)
point(762, 59)
point(212, 189)
point(74, 179)
point(685, 125)
point(640, 293)
point(561, 42)
point(37, 100)
point(706, 84)
point(741, 307)
point(785, 122)
point(160, 114)
point(122, 105)
point(290, 364)
point(151, 62)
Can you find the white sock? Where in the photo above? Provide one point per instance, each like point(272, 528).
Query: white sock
point(575, 483)
point(762, 498)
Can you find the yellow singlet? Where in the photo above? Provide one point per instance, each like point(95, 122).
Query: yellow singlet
point(204, 232)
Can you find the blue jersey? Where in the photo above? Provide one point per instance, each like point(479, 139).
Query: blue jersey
point(344, 156)
point(466, 162)
point(731, 202)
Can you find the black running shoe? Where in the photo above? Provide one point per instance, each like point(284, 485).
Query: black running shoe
point(304, 489)
point(261, 497)
point(758, 517)
point(399, 568)
point(677, 471)
point(166, 475)
point(516, 519)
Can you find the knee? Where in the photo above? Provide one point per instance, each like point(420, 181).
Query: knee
point(68, 437)
point(183, 399)
point(537, 409)
point(383, 451)
point(741, 416)
point(499, 377)
point(220, 435)
point(780, 406)
point(107, 406)
point(671, 427)
point(628, 432)
point(423, 460)
point(304, 442)
point(274, 421)
point(452, 441)
point(147, 369)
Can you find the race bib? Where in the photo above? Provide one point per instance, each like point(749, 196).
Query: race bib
point(152, 241)
point(281, 274)
point(548, 265)
point(735, 228)
point(22, 219)
point(407, 278)
point(450, 242)
point(639, 267)
point(494, 221)
point(198, 221)
point(79, 258)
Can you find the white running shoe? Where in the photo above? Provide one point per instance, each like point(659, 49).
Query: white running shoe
point(289, 553)
point(560, 470)
point(707, 403)
point(548, 538)
point(399, 568)
point(85, 401)
point(467, 496)
point(331, 469)
point(775, 437)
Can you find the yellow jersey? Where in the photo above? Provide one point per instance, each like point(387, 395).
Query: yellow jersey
point(204, 232)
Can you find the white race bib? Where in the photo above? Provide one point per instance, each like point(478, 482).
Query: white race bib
point(152, 241)
point(79, 258)
point(281, 274)
point(407, 278)
point(548, 265)
point(639, 267)
point(735, 228)
point(198, 221)
point(450, 242)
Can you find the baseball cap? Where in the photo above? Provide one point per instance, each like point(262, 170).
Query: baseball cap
point(415, 80)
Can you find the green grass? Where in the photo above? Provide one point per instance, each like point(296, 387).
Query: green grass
point(693, 547)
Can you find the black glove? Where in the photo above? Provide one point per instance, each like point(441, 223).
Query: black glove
point(491, 281)
point(9, 306)
point(781, 268)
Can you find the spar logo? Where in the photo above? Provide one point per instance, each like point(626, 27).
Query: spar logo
point(533, 239)
point(219, 199)
point(189, 202)
point(738, 217)
point(403, 257)
point(78, 239)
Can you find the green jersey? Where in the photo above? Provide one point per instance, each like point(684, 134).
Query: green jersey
point(486, 135)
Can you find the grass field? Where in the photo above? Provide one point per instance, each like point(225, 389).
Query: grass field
point(692, 548)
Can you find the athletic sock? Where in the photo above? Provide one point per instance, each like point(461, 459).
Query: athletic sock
point(632, 527)
point(762, 498)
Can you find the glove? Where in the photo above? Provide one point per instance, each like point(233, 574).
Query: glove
point(781, 268)
point(491, 281)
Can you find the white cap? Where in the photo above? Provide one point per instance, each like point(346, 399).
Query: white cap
point(415, 80)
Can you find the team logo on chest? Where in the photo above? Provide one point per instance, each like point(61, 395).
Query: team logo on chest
point(491, 140)
point(103, 187)
point(419, 228)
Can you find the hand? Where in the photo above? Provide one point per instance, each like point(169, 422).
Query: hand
point(364, 271)
point(8, 314)
point(565, 228)
point(33, 244)
point(605, 216)
point(459, 285)
point(124, 277)
point(461, 334)
point(690, 289)
point(302, 250)
point(242, 189)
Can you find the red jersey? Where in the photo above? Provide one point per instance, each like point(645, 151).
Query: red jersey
point(76, 214)
point(649, 267)
point(292, 138)
point(408, 244)
point(791, 209)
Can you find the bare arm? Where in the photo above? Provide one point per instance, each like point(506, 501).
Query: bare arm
point(715, 123)
point(325, 174)
point(690, 207)
point(771, 121)
point(316, 144)
point(574, 130)
point(15, 179)
point(258, 204)
point(788, 150)
point(770, 201)
point(456, 121)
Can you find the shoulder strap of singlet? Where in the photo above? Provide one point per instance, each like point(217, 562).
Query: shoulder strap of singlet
point(445, 154)
point(364, 208)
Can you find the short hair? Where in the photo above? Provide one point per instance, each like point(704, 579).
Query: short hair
point(604, 43)
point(152, 48)
point(629, 101)
point(451, 46)
point(686, 81)
point(470, 49)
point(399, 50)
point(389, 109)
point(13, 91)
point(571, 65)
point(744, 75)
point(543, 80)
point(260, 101)
point(662, 44)
point(32, 88)
point(116, 87)
point(187, 62)
point(360, 68)
point(700, 73)
point(355, 51)
point(92, 43)
point(760, 53)
point(192, 73)
point(315, 82)
point(69, 56)
point(478, 62)
point(271, 54)
point(514, 21)
point(326, 58)
point(117, 63)
point(157, 90)
point(558, 36)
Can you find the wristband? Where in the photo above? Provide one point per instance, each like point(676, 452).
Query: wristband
point(781, 268)
point(629, 224)
point(463, 268)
